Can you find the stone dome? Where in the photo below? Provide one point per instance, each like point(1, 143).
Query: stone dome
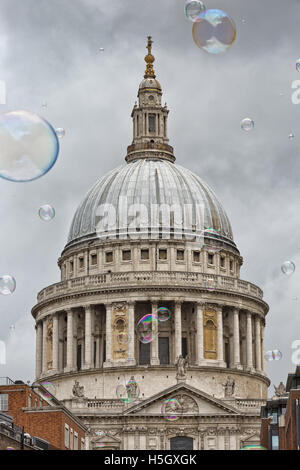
point(150, 83)
point(133, 190)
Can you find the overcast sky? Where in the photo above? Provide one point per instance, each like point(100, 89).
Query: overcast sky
point(49, 51)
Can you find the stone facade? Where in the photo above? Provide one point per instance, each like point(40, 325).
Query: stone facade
point(109, 280)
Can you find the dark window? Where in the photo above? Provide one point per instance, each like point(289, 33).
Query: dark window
point(104, 350)
point(126, 255)
point(210, 258)
point(109, 256)
point(71, 265)
point(81, 262)
point(151, 122)
point(95, 353)
point(94, 259)
point(196, 255)
point(181, 443)
point(180, 255)
point(144, 357)
point(163, 350)
point(222, 261)
point(162, 254)
point(231, 265)
point(144, 254)
point(184, 347)
point(79, 357)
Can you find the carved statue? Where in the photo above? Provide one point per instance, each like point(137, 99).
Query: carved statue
point(182, 365)
point(132, 388)
point(280, 390)
point(78, 391)
point(229, 387)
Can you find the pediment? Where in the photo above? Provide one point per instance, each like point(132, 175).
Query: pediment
point(192, 402)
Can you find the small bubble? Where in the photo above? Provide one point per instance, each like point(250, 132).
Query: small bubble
point(298, 65)
point(247, 124)
point(47, 212)
point(288, 268)
point(60, 132)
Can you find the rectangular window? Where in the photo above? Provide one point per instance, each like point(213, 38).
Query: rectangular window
point(109, 257)
point(180, 255)
point(71, 439)
point(196, 256)
point(75, 441)
point(152, 122)
point(184, 347)
point(231, 265)
point(275, 442)
point(163, 350)
point(210, 258)
point(29, 401)
point(3, 402)
point(275, 417)
point(81, 263)
point(165, 126)
point(144, 356)
point(79, 356)
point(94, 259)
point(126, 255)
point(162, 254)
point(137, 126)
point(71, 266)
point(144, 254)
point(66, 436)
point(222, 261)
point(82, 444)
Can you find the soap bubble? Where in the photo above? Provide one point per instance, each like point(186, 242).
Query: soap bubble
point(214, 31)
point(171, 409)
point(210, 284)
point(274, 355)
point(101, 49)
point(291, 136)
point(100, 435)
point(29, 146)
point(193, 8)
point(212, 249)
point(298, 65)
point(50, 387)
point(60, 132)
point(288, 267)
point(123, 337)
point(247, 124)
point(47, 212)
point(128, 391)
point(7, 284)
point(253, 447)
point(147, 328)
point(163, 314)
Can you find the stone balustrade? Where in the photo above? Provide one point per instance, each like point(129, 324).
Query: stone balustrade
point(150, 278)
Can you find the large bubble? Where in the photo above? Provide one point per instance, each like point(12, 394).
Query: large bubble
point(28, 146)
point(128, 391)
point(7, 284)
point(214, 31)
point(171, 409)
point(147, 328)
point(288, 268)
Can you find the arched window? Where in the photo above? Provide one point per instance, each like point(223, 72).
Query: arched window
point(210, 340)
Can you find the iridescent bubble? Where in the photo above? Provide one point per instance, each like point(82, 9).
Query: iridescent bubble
point(47, 212)
point(50, 387)
point(123, 337)
point(128, 391)
point(274, 355)
point(29, 146)
point(7, 284)
point(212, 249)
point(60, 132)
point(193, 8)
point(298, 65)
point(147, 328)
point(291, 136)
point(209, 231)
point(288, 267)
point(210, 284)
point(171, 409)
point(163, 314)
point(247, 124)
point(214, 31)
point(253, 447)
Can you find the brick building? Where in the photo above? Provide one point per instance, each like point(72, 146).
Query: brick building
point(36, 410)
point(280, 428)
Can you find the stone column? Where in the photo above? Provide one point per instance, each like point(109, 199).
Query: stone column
point(131, 335)
point(236, 340)
point(220, 337)
point(257, 344)
point(88, 337)
point(108, 338)
point(178, 341)
point(39, 349)
point(55, 364)
point(262, 348)
point(70, 341)
point(199, 335)
point(249, 341)
point(154, 360)
point(45, 321)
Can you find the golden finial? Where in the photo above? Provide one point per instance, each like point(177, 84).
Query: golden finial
point(149, 59)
